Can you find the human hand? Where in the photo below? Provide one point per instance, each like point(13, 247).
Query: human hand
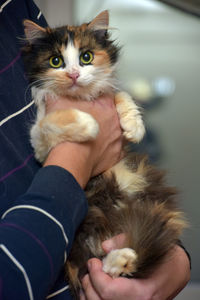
point(85, 160)
point(165, 282)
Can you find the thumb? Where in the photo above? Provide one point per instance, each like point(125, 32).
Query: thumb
point(117, 242)
point(94, 265)
point(99, 279)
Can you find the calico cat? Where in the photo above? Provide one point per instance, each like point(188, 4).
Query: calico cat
point(131, 197)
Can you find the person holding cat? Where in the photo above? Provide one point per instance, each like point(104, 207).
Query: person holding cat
point(163, 284)
point(42, 207)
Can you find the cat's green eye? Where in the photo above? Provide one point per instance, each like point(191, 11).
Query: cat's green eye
point(86, 57)
point(56, 61)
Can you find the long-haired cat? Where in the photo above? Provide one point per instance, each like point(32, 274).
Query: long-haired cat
point(131, 197)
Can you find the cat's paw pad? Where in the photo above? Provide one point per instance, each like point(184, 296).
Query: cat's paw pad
point(120, 262)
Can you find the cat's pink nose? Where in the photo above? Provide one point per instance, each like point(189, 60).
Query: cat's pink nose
point(74, 76)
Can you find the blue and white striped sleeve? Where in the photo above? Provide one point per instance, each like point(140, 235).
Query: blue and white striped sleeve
point(36, 234)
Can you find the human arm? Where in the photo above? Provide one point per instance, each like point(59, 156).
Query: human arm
point(165, 282)
point(37, 231)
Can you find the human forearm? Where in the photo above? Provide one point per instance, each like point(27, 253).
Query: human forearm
point(75, 158)
point(38, 230)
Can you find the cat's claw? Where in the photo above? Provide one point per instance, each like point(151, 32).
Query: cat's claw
point(120, 262)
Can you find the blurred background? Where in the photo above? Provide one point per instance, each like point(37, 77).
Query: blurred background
point(160, 67)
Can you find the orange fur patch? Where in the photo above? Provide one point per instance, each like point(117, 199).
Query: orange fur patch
point(60, 79)
point(77, 43)
point(60, 117)
point(101, 58)
point(119, 99)
point(129, 181)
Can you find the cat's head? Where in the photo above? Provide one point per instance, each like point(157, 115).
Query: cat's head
point(77, 61)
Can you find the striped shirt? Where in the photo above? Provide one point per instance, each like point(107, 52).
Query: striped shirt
point(40, 208)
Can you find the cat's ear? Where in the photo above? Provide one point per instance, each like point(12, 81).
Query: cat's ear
point(100, 23)
point(33, 31)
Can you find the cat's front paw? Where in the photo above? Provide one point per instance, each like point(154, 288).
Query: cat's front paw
point(130, 117)
point(120, 262)
point(60, 126)
point(88, 128)
point(133, 130)
point(69, 125)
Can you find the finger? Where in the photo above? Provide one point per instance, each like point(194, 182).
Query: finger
point(100, 281)
point(82, 295)
point(117, 242)
point(90, 293)
point(93, 107)
point(58, 103)
point(106, 100)
point(108, 288)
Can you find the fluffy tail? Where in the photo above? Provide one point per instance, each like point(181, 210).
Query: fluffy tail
point(153, 230)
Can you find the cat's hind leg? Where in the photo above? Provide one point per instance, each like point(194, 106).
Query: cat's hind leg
point(60, 126)
point(120, 262)
point(130, 117)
